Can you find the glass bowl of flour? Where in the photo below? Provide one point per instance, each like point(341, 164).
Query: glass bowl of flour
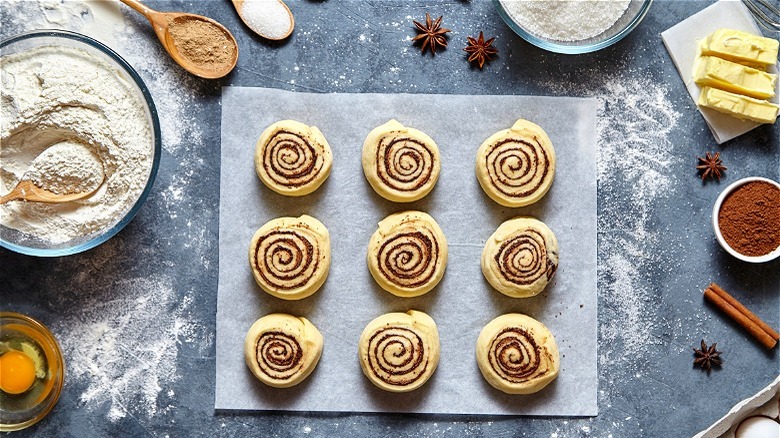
point(75, 118)
point(572, 26)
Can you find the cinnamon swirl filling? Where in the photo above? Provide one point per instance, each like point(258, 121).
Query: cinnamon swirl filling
point(403, 163)
point(286, 259)
point(397, 355)
point(517, 354)
point(399, 352)
point(408, 259)
point(290, 257)
point(517, 167)
point(281, 350)
point(407, 255)
point(523, 259)
point(279, 355)
point(515, 357)
point(291, 160)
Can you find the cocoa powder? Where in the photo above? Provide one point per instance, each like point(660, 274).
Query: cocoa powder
point(202, 43)
point(749, 218)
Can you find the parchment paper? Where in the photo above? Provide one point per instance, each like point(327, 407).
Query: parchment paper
point(681, 41)
point(461, 304)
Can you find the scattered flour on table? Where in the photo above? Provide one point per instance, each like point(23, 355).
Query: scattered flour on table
point(635, 121)
point(123, 349)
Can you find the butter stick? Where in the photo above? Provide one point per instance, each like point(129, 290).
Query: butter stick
point(741, 47)
point(736, 105)
point(733, 77)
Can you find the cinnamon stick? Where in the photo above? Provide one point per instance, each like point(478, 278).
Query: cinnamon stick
point(733, 301)
point(749, 321)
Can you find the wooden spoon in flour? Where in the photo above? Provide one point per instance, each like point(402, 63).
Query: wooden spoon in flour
point(202, 46)
point(271, 19)
point(64, 172)
point(28, 191)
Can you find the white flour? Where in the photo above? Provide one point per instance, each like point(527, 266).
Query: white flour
point(566, 20)
point(65, 168)
point(55, 94)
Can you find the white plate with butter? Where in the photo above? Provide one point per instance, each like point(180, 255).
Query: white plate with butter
point(682, 42)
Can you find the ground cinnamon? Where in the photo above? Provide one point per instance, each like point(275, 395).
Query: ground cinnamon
point(749, 218)
point(202, 43)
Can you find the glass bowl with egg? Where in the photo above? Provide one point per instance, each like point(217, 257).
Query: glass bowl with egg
point(572, 27)
point(32, 371)
point(77, 120)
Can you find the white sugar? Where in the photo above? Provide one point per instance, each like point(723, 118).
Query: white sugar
point(269, 18)
point(566, 20)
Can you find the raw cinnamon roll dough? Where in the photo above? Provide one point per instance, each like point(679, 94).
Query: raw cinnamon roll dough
point(521, 257)
point(399, 351)
point(282, 350)
point(292, 158)
point(290, 257)
point(517, 354)
point(516, 166)
point(407, 255)
point(402, 164)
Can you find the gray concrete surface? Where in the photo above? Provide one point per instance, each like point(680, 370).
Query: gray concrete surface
point(656, 246)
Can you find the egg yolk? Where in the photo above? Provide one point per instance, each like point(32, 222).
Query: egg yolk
point(17, 372)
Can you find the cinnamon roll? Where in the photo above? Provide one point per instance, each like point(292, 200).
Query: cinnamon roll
point(517, 354)
point(407, 255)
point(292, 158)
point(516, 166)
point(290, 257)
point(402, 164)
point(399, 351)
point(282, 350)
point(521, 257)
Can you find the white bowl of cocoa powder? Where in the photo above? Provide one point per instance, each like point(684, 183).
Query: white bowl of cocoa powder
point(746, 219)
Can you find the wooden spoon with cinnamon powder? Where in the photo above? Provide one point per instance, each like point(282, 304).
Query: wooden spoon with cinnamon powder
point(202, 46)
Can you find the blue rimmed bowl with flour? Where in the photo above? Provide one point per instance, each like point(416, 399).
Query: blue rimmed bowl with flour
point(572, 26)
point(66, 91)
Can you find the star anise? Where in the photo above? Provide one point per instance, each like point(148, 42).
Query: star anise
point(432, 34)
point(710, 166)
point(707, 357)
point(480, 50)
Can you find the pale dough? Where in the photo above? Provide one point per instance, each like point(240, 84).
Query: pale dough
point(290, 257)
point(521, 257)
point(517, 354)
point(516, 166)
point(407, 255)
point(399, 351)
point(292, 158)
point(402, 164)
point(282, 350)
